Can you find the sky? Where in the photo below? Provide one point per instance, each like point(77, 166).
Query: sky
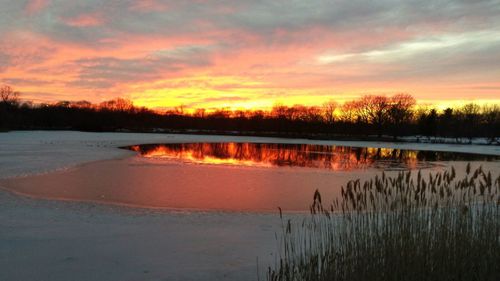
point(250, 53)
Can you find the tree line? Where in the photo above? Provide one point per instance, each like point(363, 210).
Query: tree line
point(371, 116)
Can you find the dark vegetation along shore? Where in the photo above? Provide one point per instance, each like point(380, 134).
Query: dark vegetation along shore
point(367, 118)
point(398, 227)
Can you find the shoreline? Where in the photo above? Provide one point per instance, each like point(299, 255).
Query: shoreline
point(311, 136)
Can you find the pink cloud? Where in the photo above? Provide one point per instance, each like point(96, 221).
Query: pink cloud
point(85, 20)
point(35, 6)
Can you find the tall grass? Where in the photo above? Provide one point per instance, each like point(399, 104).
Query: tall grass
point(401, 227)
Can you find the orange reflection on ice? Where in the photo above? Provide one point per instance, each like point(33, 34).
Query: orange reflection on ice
point(229, 154)
point(133, 182)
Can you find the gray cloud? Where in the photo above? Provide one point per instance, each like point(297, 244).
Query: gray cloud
point(22, 54)
point(4, 61)
point(105, 72)
point(461, 57)
point(273, 21)
point(25, 82)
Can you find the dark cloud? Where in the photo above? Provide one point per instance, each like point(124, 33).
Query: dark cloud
point(275, 22)
point(23, 54)
point(105, 72)
point(97, 83)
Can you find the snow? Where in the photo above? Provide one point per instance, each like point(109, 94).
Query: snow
point(53, 240)
point(56, 240)
point(448, 140)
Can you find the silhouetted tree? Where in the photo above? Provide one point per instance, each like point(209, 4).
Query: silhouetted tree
point(117, 104)
point(469, 118)
point(9, 101)
point(400, 112)
point(329, 109)
point(446, 123)
point(359, 118)
point(200, 113)
point(279, 111)
point(492, 122)
point(375, 109)
point(8, 96)
point(348, 112)
point(428, 123)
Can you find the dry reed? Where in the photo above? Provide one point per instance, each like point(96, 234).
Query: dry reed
point(401, 227)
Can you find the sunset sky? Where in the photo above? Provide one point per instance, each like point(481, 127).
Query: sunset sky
point(250, 53)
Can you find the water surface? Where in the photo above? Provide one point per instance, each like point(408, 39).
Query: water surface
point(336, 158)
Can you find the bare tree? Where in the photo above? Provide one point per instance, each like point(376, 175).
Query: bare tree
point(200, 113)
point(469, 116)
point(347, 111)
point(279, 111)
point(63, 104)
point(8, 95)
point(492, 119)
point(81, 104)
point(329, 109)
point(358, 108)
point(122, 104)
point(117, 104)
point(313, 114)
point(296, 113)
point(375, 109)
point(400, 111)
point(221, 113)
point(180, 110)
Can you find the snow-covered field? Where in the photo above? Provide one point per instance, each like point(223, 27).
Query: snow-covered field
point(53, 240)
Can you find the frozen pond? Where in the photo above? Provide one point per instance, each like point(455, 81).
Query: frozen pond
point(79, 241)
point(232, 176)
